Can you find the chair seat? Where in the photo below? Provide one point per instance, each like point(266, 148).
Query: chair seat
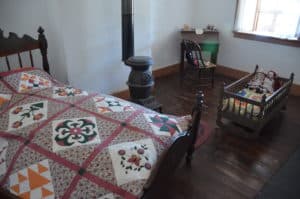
point(208, 64)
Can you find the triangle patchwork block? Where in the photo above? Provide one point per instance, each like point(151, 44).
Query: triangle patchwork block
point(41, 168)
point(21, 178)
point(25, 195)
point(15, 188)
point(36, 180)
point(46, 192)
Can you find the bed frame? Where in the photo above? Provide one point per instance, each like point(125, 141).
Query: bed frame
point(13, 45)
point(183, 144)
point(245, 124)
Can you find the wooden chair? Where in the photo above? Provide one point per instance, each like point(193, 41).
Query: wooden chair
point(195, 61)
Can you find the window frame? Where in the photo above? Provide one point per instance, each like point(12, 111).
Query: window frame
point(262, 38)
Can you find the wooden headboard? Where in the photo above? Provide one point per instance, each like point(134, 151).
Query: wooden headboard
point(13, 45)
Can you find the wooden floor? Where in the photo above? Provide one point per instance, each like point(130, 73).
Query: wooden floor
point(227, 166)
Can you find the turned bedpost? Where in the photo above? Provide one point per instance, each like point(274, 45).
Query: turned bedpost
point(43, 47)
point(195, 125)
point(256, 68)
point(220, 106)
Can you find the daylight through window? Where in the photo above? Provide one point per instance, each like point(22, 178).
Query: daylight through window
point(276, 18)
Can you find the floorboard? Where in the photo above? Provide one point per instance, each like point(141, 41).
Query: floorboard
point(227, 166)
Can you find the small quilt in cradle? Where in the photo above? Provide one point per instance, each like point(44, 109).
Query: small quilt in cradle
point(233, 104)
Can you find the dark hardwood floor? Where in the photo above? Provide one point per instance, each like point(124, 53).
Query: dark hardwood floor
point(227, 166)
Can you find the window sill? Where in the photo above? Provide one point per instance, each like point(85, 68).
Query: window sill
point(268, 39)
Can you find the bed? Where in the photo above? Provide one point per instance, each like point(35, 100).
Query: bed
point(57, 141)
point(245, 112)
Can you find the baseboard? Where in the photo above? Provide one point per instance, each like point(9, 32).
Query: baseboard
point(165, 71)
point(157, 73)
point(230, 72)
point(237, 74)
point(221, 70)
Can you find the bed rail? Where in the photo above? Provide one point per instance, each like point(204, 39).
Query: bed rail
point(183, 144)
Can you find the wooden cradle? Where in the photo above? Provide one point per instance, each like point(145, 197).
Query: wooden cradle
point(250, 114)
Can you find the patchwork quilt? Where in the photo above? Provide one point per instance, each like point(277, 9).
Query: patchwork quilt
point(57, 141)
point(233, 104)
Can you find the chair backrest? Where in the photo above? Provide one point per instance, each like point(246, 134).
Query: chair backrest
point(193, 53)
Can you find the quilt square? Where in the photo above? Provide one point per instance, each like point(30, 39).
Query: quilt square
point(27, 114)
point(107, 196)
point(162, 124)
point(74, 132)
point(30, 82)
point(4, 99)
point(67, 91)
point(109, 104)
point(33, 182)
point(133, 160)
point(3, 150)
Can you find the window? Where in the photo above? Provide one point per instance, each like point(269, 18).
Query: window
point(273, 18)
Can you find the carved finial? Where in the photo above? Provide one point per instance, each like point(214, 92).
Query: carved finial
point(13, 35)
point(292, 76)
point(41, 30)
point(256, 68)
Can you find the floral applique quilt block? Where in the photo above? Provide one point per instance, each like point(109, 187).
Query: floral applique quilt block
point(30, 82)
point(27, 114)
point(67, 91)
point(162, 124)
point(74, 132)
point(133, 160)
point(109, 104)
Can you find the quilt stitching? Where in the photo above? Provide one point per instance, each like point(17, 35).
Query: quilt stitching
point(33, 181)
point(69, 164)
point(73, 132)
point(67, 91)
point(110, 104)
point(132, 160)
point(8, 86)
point(162, 124)
point(27, 114)
point(30, 82)
point(31, 136)
point(100, 148)
point(3, 150)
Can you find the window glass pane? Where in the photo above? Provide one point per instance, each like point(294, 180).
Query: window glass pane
point(278, 18)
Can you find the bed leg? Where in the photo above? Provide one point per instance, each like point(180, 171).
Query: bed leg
point(220, 106)
point(195, 126)
point(189, 156)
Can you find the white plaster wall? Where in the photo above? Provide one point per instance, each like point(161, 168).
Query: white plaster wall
point(25, 18)
point(85, 36)
point(244, 54)
point(167, 19)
